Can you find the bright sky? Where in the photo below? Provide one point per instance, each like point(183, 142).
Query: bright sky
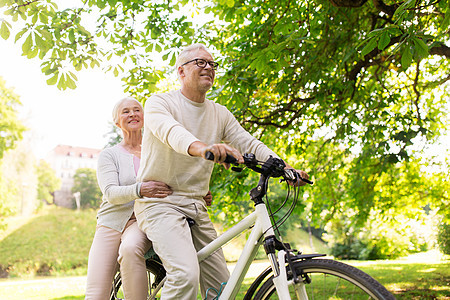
point(73, 117)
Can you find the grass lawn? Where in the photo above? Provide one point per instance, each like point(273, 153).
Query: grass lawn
point(56, 242)
point(406, 279)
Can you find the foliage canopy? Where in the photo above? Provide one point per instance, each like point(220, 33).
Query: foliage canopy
point(346, 89)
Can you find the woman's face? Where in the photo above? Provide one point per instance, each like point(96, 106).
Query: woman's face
point(131, 117)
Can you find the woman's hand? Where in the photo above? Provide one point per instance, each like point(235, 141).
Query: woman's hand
point(208, 198)
point(155, 189)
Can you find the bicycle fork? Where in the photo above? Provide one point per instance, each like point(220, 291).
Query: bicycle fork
point(279, 271)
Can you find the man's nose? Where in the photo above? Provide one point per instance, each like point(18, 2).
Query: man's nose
point(208, 65)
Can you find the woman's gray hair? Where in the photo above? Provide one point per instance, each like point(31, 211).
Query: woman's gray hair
point(185, 54)
point(115, 112)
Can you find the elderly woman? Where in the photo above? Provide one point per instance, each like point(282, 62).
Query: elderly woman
point(117, 237)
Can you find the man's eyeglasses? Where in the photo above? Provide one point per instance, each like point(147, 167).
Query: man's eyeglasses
point(201, 63)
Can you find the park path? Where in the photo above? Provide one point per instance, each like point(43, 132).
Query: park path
point(67, 288)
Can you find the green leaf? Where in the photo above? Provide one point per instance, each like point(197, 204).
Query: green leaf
point(384, 40)
point(40, 42)
point(421, 47)
point(230, 3)
point(70, 83)
point(52, 80)
point(406, 59)
point(45, 34)
point(4, 30)
point(26, 47)
point(369, 47)
point(43, 17)
point(19, 34)
point(446, 22)
point(73, 76)
point(71, 36)
point(173, 59)
point(62, 83)
point(33, 53)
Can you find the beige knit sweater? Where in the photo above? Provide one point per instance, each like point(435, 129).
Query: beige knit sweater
point(171, 123)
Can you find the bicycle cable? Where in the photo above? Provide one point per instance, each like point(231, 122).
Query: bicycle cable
point(291, 208)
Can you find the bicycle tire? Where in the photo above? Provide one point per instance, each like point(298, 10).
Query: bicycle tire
point(336, 280)
point(155, 272)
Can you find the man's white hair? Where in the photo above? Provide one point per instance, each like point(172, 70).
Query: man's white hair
point(186, 54)
point(115, 112)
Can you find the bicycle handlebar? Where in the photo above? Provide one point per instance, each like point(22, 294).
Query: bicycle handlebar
point(273, 167)
point(229, 159)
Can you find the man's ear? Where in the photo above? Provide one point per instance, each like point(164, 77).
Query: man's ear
point(181, 71)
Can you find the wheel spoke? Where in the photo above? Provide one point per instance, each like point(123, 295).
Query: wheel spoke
point(329, 280)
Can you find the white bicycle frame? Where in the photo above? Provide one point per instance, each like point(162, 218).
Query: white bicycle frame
point(262, 226)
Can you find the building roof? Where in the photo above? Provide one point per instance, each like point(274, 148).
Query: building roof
point(66, 150)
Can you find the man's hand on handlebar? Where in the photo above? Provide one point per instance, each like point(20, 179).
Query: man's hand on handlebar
point(299, 181)
point(220, 152)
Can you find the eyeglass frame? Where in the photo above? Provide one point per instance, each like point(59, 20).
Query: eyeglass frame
point(214, 65)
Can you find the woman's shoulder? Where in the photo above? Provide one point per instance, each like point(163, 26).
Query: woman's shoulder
point(110, 151)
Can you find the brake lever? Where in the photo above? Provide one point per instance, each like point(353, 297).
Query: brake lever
point(291, 174)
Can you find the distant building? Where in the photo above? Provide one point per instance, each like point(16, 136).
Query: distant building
point(65, 160)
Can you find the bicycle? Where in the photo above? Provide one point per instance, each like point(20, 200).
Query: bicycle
point(291, 274)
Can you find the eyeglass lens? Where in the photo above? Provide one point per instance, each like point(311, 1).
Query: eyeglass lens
point(202, 63)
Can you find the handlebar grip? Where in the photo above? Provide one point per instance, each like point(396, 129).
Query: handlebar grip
point(291, 174)
point(306, 180)
point(230, 159)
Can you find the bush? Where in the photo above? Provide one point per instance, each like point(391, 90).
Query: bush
point(443, 238)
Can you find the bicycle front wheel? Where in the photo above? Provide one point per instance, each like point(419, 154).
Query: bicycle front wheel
point(327, 279)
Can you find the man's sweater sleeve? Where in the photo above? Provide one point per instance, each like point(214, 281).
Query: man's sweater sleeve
point(164, 127)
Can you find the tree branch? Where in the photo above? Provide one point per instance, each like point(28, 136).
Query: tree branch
point(441, 50)
point(387, 9)
point(267, 120)
point(368, 59)
point(348, 3)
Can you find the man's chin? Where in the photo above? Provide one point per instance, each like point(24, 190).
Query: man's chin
point(205, 87)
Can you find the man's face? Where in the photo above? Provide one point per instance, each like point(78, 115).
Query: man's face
point(197, 78)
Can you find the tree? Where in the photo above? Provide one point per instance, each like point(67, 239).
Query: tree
point(19, 180)
point(85, 182)
point(48, 183)
point(344, 88)
point(444, 238)
point(11, 128)
point(114, 135)
point(347, 90)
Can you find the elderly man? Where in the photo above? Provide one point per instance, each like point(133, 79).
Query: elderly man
point(180, 127)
